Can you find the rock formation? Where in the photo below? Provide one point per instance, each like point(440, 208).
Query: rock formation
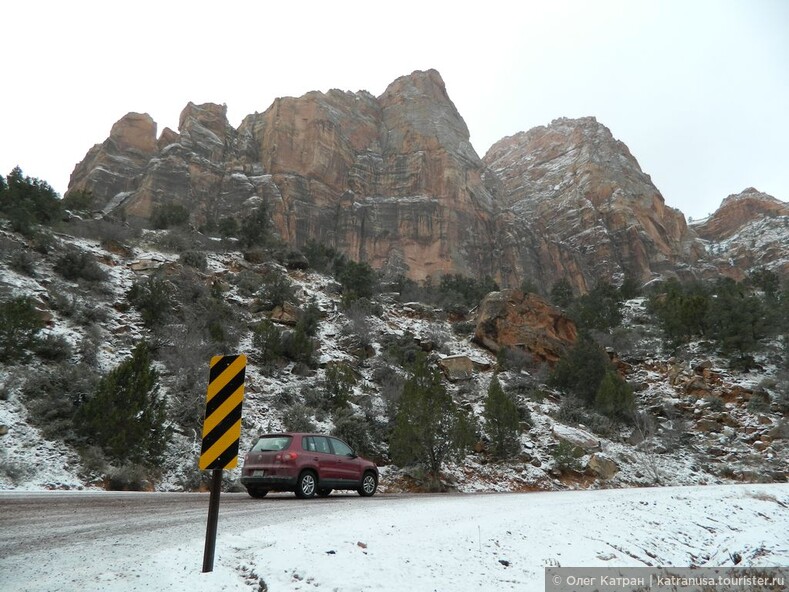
point(393, 181)
point(749, 230)
point(579, 200)
point(514, 319)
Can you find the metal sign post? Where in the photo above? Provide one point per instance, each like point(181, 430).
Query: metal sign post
point(221, 433)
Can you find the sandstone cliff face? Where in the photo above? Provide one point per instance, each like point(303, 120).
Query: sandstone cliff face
point(749, 230)
point(391, 180)
point(580, 199)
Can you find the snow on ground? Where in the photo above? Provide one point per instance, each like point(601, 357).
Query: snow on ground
point(457, 543)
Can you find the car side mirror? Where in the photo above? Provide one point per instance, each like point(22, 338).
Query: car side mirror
point(352, 455)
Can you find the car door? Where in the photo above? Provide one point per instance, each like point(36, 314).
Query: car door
point(319, 452)
point(347, 463)
point(328, 470)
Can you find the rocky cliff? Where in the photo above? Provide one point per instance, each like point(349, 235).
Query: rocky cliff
point(393, 181)
point(576, 204)
point(749, 230)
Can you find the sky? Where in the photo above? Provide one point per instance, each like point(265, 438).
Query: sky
point(697, 89)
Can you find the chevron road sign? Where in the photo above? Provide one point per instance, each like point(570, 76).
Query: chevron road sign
point(221, 433)
point(222, 426)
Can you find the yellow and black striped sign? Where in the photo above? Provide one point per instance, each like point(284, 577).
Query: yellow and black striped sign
point(222, 426)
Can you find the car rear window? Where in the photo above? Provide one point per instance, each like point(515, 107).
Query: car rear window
point(272, 443)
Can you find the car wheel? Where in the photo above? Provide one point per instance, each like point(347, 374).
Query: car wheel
point(257, 493)
point(323, 492)
point(306, 485)
point(369, 485)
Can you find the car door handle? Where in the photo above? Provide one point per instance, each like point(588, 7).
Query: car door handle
point(315, 458)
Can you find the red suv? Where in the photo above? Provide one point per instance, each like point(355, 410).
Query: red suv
point(307, 464)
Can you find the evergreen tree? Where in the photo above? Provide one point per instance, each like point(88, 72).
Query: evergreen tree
point(26, 201)
point(358, 280)
point(429, 428)
point(125, 417)
point(562, 293)
point(614, 397)
point(599, 309)
point(581, 371)
point(19, 327)
point(154, 298)
point(255, 228)
point(501, 421)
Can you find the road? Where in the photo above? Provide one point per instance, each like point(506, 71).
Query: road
point(42, 530)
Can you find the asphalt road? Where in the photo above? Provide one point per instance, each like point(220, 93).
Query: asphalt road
point(47, 521)
point(53, 538)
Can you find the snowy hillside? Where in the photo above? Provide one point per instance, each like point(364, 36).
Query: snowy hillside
point(706, 429)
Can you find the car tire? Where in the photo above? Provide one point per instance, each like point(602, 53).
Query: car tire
point(257, 493)
point(323, 492)
point(369, 484)
point(306, 485)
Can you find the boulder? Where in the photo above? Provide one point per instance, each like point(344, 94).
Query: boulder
point(515, 319)
point(602, 466)
point(457, 368)
point(576, 436)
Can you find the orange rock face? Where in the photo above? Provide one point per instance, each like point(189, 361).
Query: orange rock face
point(393, 181)
point(513, 319)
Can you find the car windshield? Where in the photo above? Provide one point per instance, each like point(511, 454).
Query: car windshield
point(272, 443)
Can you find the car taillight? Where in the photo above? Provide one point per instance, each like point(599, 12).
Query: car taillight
point(286, 457)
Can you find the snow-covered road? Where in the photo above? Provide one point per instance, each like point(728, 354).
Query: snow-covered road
point(112, 542)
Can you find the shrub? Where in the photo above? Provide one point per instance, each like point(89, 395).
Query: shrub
point(338, 384)
point(248, 282)
point(355, 431)
point(267, 341)
point(298, 347)
point(153, 298)
point(501, 421)
point(125, 415)
point(23, 262)
point(52, 395)
point(513, 359)
point(254, 230)
point(19, 327)
point(167, 215)
point(358, 280)
point(566, 456)
point(322, 258)
point(26, 201)
point(277, 289)
point(53, 348)
point(129, 477)
point(194, 259)
point(562, 293)
point(598, 310)
point(759, 402)
point(76, 264)
point(297, 419)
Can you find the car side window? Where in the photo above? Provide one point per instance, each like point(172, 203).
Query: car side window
point(321, 444)
point(341, 448)
point(308, 443)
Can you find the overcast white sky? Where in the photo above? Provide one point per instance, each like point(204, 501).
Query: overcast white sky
point(698, 90)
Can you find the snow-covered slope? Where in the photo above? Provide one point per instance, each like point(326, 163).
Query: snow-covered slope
point(693, 442)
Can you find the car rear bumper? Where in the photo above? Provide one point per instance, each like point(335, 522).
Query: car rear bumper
point(270, 481)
